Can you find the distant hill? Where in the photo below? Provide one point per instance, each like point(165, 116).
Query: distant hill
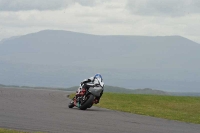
point(124, 90)
point(150, 91)
point(139, 91)
point(112, 89)
point(54, 58)
point(1, 85)
point(107, 89)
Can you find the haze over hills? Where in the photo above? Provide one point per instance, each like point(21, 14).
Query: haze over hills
point(115, 89)
point(63, 59)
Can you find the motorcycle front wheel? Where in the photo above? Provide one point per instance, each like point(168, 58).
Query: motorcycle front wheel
point(87, 103)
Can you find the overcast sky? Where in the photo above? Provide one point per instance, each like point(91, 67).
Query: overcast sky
point(102, 17)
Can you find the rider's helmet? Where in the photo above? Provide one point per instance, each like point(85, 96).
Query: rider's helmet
point(99, 77)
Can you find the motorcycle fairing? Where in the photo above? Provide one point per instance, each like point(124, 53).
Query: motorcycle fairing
point(96, 91)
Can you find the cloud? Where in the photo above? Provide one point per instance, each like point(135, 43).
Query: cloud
point(102, 17)
point(24, 5)
point(163, 7)
point(21, 5)
point(86, 2)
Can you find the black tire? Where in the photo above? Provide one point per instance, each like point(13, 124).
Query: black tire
point(71, 104)
point(90, 105)
point(87, 103)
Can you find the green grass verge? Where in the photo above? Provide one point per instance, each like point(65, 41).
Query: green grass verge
point(10, 131)
point(2, 130)
point(179, 108)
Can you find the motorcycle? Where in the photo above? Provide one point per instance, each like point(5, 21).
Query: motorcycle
point(85, 98)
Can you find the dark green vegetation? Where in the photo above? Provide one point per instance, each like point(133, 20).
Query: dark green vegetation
point(179, 108)
point(114, 89)
point(29, 87)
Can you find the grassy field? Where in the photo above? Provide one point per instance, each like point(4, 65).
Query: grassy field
point(179, 108)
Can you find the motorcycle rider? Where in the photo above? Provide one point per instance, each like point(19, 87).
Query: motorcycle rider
point(96, 81)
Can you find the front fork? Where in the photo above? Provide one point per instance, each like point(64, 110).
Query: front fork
point(75, 102)
point(78, 97)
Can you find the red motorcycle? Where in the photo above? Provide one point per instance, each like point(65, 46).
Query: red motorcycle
point(85, 98)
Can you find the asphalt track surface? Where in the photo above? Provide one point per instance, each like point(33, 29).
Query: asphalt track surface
point(47, 111)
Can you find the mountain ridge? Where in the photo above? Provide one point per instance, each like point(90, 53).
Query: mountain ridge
point(63, 58)
point(73, 32)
